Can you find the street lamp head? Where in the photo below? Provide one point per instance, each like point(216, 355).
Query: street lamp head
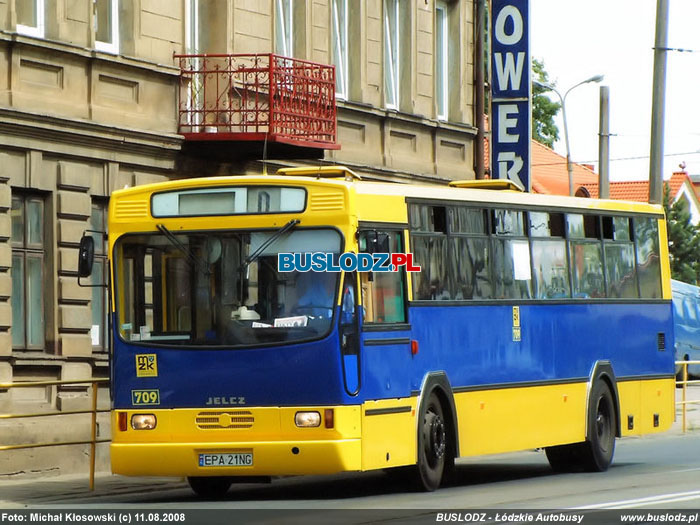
point(543, 85)
point(596, 78)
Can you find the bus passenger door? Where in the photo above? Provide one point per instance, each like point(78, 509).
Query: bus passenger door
point(389, 424)
point(348, 331)
point(386, 334)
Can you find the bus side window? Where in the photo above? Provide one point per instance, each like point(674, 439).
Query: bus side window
point(383, 293)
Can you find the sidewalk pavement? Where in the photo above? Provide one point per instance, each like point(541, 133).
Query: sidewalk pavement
point(55, 491)
point(21, 492)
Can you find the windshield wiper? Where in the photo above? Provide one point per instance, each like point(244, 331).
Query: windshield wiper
point(284, 229)
point(191, 257)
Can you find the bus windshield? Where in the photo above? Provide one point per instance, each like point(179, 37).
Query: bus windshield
point(222, 288)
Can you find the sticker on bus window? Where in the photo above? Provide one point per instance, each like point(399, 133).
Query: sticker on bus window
point(146, 365)
point(145, 397)
point(290, 322)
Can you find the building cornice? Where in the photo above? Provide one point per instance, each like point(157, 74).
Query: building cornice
point(87, 139)
point(87, 53)
point(416, 120)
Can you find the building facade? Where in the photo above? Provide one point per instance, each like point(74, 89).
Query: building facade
point(89, 103)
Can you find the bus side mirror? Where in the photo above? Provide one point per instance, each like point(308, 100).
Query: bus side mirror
point(86, 256)
point(374, 242)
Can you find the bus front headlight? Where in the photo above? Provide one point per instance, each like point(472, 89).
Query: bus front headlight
point(143, 421)
point(307, 419)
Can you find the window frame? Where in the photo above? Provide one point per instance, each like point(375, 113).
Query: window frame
point(391, 44)
point(442, 101)
point(339, 41)
point(284, 28)
point(39, 30)
point(192, 27)
point(113, 46)
point(101, 259)
point(402, 241)
point(26, 250)
point(612, 243)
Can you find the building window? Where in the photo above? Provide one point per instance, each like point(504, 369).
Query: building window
point(340, 47)
point(441, 60)
point(100, 272)
point(195, 85)
point(283, 29)
point(28, 255)
point(30, 17)
point(391, 54)
point(107, 25)
point(192, 27)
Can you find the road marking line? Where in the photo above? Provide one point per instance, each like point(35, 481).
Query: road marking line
point(640, 502)
point(684, 470)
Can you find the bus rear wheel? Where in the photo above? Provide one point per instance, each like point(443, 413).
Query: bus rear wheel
point(596, 453)
point(435, 456)
point(600, 445)
point(210, 486)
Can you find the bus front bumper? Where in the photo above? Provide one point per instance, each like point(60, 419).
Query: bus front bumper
point(273, 458)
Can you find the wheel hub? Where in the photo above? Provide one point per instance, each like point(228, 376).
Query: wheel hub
point(437, 437)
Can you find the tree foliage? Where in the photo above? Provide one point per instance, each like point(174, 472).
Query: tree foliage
point(683, 240)
point(544, 130)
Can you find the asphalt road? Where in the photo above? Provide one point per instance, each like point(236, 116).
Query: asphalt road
point(653, 472)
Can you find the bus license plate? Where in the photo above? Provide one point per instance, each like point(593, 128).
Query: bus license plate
point(226, 460)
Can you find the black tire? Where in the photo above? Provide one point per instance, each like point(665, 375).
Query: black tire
point(566, 458)
point(435, 456)
point(209, 487)
point(602, 427)
point(596, 453)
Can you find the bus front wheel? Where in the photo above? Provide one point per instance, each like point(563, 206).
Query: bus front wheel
point(209, 487)
point(434, 451)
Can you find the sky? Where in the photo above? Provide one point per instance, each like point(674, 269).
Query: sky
point(578, 39)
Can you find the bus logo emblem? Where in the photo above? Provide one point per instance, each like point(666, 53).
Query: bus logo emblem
point(146, 365)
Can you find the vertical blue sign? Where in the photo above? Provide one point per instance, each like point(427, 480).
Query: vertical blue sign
point(510, 91)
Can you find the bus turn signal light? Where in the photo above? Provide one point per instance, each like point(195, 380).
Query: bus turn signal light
point(122, 421)
point(414, 347)
point(329, 417)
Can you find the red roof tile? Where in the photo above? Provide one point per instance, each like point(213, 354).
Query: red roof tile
point(638, 190)
point(549, 174)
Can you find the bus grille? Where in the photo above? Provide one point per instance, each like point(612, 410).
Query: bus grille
point(131, 209)
point(224, 420)
point(327, 202)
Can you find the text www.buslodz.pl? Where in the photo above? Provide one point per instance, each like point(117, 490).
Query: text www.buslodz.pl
point(346, 262)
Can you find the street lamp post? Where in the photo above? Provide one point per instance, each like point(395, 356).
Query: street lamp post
point(549, 87)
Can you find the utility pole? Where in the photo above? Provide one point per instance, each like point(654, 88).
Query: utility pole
point(604, 144)
point(479, 90)
point(658, 103)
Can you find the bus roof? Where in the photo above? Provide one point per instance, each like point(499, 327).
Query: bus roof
point(460, 192)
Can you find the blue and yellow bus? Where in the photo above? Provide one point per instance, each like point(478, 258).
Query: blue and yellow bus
point(535, 322)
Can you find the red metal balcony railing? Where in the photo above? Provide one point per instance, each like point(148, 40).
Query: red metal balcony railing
point(257, 98)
